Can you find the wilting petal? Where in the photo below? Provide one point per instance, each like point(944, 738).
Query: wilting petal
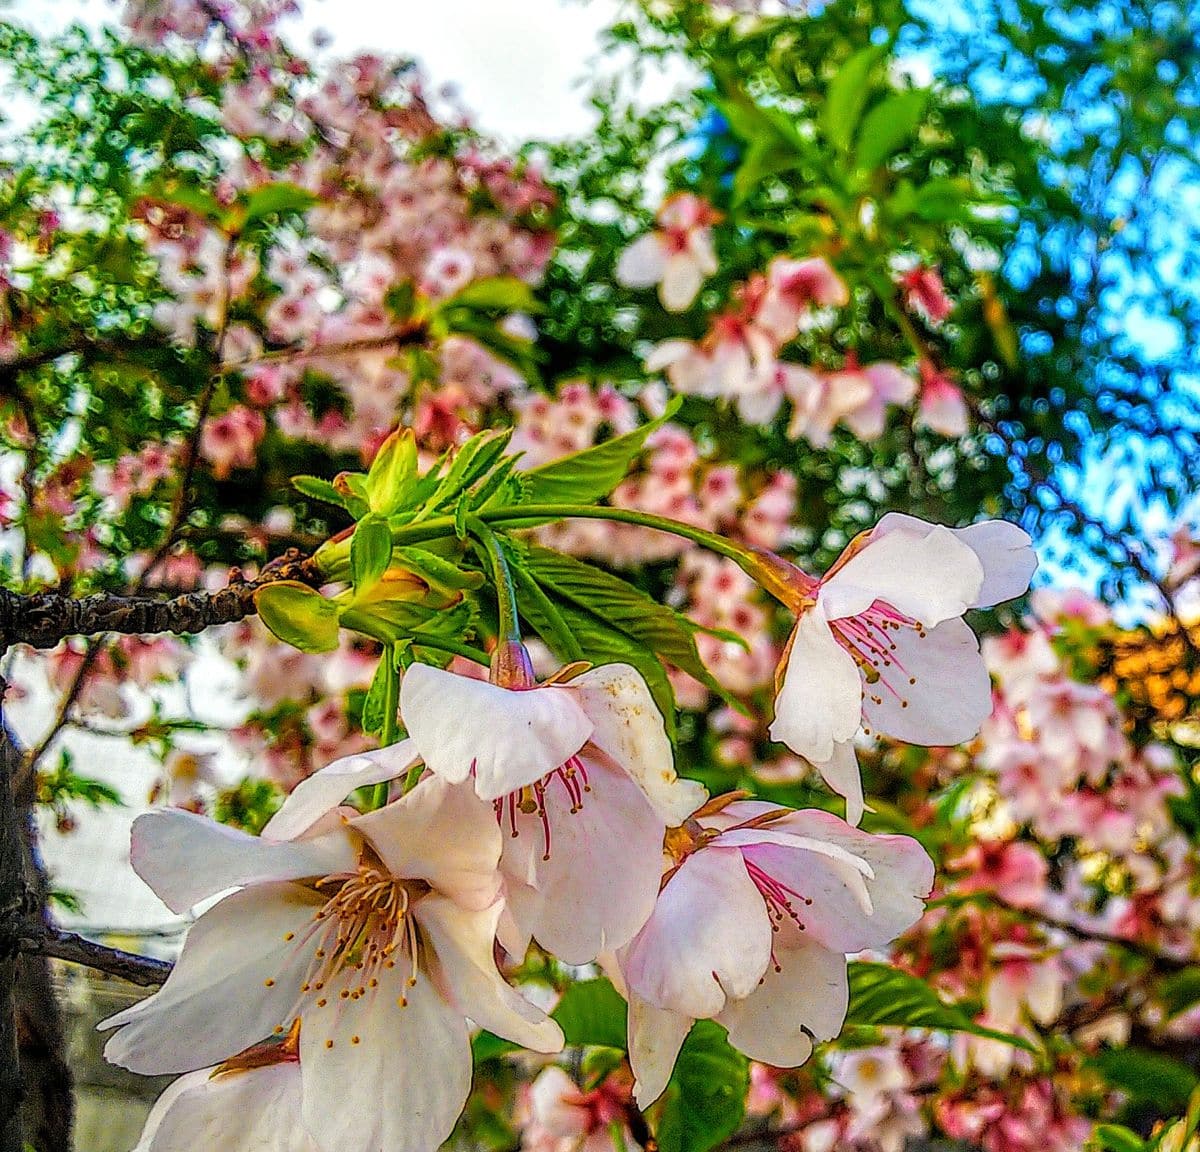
point(507, 738)
point(681, 280)
point(929, 578)
point(655, 1037)
point(820, 700)
point(187, 858)
point(642, 263)
point(629, 728)
point(325, 789)
point(1004, 550)
point(390, 1070)
point(441, 833)
point(902, 876)
point(596, 885)
point(709, 938)
point(466, 965)
point(843, 775)
point(805, 998)
point(935, 690)
point(236, 980)
point(256, 1110)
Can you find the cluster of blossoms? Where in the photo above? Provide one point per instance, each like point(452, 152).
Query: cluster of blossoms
point(675, 479)
point(361, 946)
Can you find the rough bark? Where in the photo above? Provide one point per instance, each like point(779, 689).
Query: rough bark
point(12, 911)
point(46, 618)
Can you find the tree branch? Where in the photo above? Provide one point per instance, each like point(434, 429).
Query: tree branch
point(44, 619)
point(70, 946)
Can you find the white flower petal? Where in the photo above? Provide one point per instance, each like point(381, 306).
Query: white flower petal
point(642, 263)
point(807, 998)
point(655, 1037)
point(929, 578)
point(842, 773)
point(237, 978)
point(681, 280)
point(629, 728)
point(934, 691)
point(1004, 550)
point(506, 738)
point(599, 884)
point(402, 1085)
point(441, 833)
point(256, 1110)
point(325, 789)
point(709, 938)
point(820, 699)
point(187, 858)
point(465, 963)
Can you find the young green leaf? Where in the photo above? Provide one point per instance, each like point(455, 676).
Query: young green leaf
point(887, 127)
point(298, 615)
point(370, 553)
point(593, 473)
point(883, 996)
point(392, 473)
point(317, 489)
point(847, 96)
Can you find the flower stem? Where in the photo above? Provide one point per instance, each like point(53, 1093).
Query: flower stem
point(508, 625)
point(444, 526)
point(391, 709)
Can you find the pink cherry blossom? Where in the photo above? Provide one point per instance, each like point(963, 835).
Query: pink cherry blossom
point(751, 929)
point(880, 640)
point(941, 406)
point(678, 255)
point(925, 294)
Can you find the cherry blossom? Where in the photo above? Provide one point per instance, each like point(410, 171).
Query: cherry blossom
point(678, 255)
point(375, 937)
point(880, 640)
point(563, 1118)
point(941, 406)
point(751, 929)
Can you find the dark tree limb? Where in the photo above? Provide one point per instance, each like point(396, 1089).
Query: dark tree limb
point(70, 946)
point(12, 908)
point(46, 618)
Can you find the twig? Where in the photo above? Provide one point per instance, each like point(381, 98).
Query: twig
point(70, 946)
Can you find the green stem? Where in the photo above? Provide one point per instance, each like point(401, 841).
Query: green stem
point(391, 709)
point(443, 526)
point(508, 626)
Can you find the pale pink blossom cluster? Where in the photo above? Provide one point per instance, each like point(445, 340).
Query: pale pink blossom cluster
point(136, 474)
point(675, 480)
point(677, 256)
point(136, 660)
point(342, 975)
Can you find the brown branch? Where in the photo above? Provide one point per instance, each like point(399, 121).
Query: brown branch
point(70, 946)
point(46, 618)
point(404, 337)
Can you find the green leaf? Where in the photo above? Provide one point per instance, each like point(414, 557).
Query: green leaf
point(318, 489)
point(375, 703)
point(497, 294)
point(586, 476)
point(883, 996)
point(280, 196)
point(370, 553)
point(591, 1012)
point(1116, 1138)
point(620, 606)
point(847, 96)
point(393, 473)
point(706, 1099)
point(1147, 1077)
point(298, 615)
point(439, 573)
point(1180, 990)
point(889, 125)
